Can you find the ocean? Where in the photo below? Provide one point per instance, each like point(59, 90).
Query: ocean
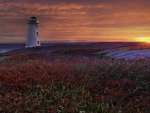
point(9, 47)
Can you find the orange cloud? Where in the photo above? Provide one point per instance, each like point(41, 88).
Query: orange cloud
point(96, 20)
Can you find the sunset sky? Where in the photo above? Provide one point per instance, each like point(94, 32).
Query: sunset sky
point(76, 20)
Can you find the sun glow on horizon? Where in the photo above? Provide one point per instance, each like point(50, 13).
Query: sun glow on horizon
point(143, 39)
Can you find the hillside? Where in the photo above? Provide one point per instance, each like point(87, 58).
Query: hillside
point(72, 79)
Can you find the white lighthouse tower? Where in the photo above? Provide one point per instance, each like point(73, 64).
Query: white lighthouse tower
point(33, 39)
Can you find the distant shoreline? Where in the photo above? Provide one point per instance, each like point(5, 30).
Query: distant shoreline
point(5, 50)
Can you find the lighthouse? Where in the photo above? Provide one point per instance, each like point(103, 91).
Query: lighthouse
point(33, 38)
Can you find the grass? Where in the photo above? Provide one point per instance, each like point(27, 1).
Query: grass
point(34, 83)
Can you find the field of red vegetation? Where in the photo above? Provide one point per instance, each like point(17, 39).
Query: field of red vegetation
point(49, 84)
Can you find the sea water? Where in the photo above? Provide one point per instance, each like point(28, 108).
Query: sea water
point(9, 47)
point(5, 50)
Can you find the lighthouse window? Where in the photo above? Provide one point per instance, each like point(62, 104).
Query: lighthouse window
point(38, 42)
